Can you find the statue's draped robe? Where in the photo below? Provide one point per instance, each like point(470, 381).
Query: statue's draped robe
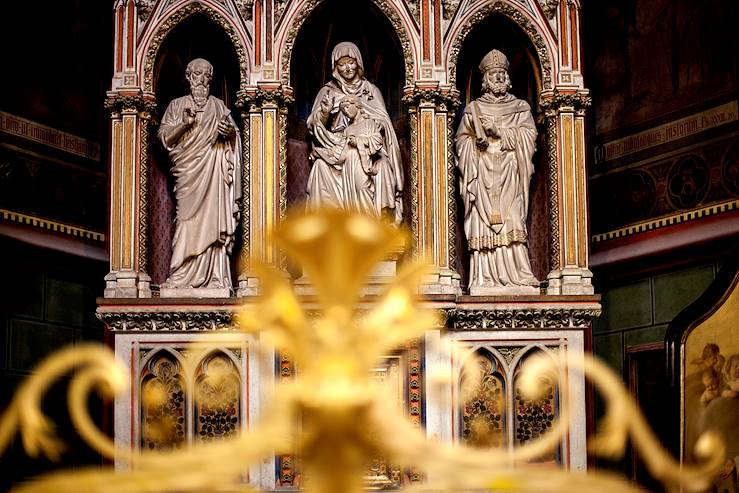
point(494, 184)
point(360, 169)
point(326, 183)
point(207, 172)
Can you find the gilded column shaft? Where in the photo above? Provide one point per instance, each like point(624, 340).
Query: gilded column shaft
point(130, 119)
point(568, 192)
point(265, 187)
point(432, 181)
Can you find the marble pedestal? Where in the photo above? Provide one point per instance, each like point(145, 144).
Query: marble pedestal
point(504, 290)
point(382, 275)
point(194, 292)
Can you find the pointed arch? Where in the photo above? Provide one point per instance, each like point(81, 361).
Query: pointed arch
point(536, 29)
point(217, 396)
point(299, 11)
point(533, 418)
point(162, 406)
point(153, 38)
point(483, 415)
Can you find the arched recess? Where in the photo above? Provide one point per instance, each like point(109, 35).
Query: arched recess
point(497, 28)
point(483, 415)
point(533, 418)
point(196, 35)
point(538, 32)
point(388, 64)
point(217, 411)
point(152, 40)
point(162, 407)
point(293, 21)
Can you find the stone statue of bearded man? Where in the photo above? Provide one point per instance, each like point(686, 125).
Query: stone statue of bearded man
point(495, 143)
point(204, 146)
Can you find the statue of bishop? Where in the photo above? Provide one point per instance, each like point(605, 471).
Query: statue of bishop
point(495, 144)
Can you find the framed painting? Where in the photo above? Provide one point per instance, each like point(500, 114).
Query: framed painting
point(703, 364)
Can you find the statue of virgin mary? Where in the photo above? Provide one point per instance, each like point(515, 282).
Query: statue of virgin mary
point(328, 183)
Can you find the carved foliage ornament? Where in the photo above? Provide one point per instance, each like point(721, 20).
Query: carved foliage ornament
point(443, 100)
point(516, 16)
point(549, 318)
point(550, 103)
point(449, 7)
point(116, 103)
point(255, 100)
point(167, 321)
point(144, 9)
point(246, 8)
point(549, 7)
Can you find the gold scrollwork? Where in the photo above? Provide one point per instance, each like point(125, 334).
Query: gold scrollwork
point(347, 417)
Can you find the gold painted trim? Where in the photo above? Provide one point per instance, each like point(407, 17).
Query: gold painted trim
point(42, 223)
point(415, 190)
point(115, 178)
point(175, 18)
point(580, 198)
point(256, 165)
point(128, 183)
point(553, 189)
point(427, 192)
point(390, 10)
point(568, 177)
point(671, 220)
point(442, 258)
point(269, 178)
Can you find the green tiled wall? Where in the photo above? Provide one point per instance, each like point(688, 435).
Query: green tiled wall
point(31, 342)
point(675, 291)
point(639, 312)
point(49, 304)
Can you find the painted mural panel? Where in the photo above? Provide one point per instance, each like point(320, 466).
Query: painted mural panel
point(690, 57)
point(711, 386)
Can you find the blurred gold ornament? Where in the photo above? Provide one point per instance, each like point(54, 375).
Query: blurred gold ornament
point(347, 418)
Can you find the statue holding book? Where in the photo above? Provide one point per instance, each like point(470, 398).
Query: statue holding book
point(495, 143)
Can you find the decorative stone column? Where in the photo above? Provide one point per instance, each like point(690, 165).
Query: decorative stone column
point(131, 116)
point(565, 114)
point(264, 113)
point(433, 205)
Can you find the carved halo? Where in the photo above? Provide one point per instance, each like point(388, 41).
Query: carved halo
point(384, 5)
point(178, 16)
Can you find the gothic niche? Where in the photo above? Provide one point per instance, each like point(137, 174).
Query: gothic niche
point(534, 417)
point(494, 413)
point(217, 402)
point(197, 36)
point(163, 408)
point(484, 412)
point(499, 32)
point(182, 407)
point(360, 22)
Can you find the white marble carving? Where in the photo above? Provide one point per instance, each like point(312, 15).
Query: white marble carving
point(204, 146)
point(355, 153)
point(495, 143)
